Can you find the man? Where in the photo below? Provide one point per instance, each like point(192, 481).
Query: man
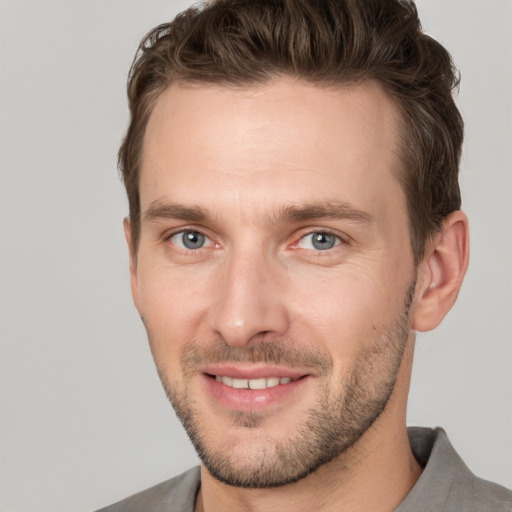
point(291, 170)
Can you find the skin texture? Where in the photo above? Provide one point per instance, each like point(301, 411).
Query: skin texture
point(258, 173)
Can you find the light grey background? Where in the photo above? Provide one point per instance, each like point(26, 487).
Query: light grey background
point(83, 419)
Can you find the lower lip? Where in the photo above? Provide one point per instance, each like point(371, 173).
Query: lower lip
point(251, 399)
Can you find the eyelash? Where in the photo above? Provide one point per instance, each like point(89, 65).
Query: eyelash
point(296, 245)
point(321, 232)
point(182, 232)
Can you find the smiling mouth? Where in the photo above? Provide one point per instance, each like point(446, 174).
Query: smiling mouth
point(261, 383)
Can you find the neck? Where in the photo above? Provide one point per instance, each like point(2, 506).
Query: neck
point(378, 483)
point(373, 475)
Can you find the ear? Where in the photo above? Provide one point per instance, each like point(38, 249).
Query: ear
point(133, 262)
point(441, 272)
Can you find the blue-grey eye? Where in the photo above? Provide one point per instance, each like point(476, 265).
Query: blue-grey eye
point(319, 241)
point(190, 240)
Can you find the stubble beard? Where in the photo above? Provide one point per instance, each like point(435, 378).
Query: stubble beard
point(333, 425)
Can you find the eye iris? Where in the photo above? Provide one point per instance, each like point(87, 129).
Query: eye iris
point(323, 241)
point(193, 239)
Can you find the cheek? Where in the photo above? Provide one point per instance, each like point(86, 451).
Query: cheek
point(172, 306)
point(347, 310)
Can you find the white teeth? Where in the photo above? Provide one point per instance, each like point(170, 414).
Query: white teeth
point(262, 383)
point(240, 383)
point(258, 383)
point(272, 381)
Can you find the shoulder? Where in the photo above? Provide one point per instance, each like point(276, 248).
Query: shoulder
point(473, 494)
point(494, 496)
point(177, 494)
point(447, 484)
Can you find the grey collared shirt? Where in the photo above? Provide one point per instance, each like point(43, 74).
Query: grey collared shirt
point(446, 484)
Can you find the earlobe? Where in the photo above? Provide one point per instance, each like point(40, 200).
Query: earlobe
point(133, 262)
point(441, 273)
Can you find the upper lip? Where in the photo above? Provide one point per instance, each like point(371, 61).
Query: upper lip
point(240, 371)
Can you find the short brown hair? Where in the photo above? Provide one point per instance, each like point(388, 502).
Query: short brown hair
point(325, 42)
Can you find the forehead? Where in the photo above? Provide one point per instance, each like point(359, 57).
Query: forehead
point(282, 141)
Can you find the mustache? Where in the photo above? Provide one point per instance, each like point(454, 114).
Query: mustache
point(275, 352)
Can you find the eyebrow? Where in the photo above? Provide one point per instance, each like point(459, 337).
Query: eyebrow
point(160, 211)
point(335, 210)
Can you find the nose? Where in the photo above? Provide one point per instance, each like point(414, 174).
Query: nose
point(249, 300)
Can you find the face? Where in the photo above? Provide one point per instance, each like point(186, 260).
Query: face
point(274, 273)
